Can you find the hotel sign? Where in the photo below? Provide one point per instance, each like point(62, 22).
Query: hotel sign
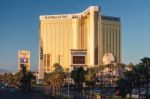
point(56, 16)
point(78, 57)
point(24, 57)
point(61, 16)
point(78, 53)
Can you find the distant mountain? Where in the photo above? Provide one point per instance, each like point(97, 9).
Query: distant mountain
point(4, 71)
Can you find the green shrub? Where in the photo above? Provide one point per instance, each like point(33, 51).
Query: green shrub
point(67, 97)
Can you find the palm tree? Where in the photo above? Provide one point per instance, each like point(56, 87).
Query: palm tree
point(47, 82)
point(25, 78)
point(129, 77)
point(1, 77)
point(100, 73)
point(121, 86)
point(9, 78)
point(137, 76)
point(145, 70)
point(130, 67)
point(126, 82)
point(16, 79)
point(120, 70)
point(59, 76)
point(90, 77)
point(78, 76)
point(5, 78)
point(55, 79)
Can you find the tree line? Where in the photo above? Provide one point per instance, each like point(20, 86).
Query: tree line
point(136, 76)
point(127, 77)
point(23, 79)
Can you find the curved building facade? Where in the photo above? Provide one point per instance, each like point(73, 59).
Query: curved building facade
point(75, 38)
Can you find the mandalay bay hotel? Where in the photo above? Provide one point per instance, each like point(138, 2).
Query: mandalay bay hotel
point(78, 40)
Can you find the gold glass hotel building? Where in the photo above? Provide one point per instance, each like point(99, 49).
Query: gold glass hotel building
point(80, 39)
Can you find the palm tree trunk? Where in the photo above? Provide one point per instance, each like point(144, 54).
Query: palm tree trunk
point(56, 90)
point(139, 86)
point(131, 89)
point(90, 92)
point(49, 89)
point(46, 89)
point(80, 91)
point(147, 90)
point(75, 91)
point(130, 95)
point(53, 90)
point(59, 90)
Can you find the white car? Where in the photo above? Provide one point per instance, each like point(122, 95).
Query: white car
point(134, 94)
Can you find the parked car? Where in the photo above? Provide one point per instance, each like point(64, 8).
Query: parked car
point(134, 94)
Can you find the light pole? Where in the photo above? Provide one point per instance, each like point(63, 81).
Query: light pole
point(67, 70)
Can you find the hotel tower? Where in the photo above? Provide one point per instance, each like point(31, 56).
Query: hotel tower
point(75, 40)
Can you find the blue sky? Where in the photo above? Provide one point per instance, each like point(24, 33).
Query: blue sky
point(19, 20)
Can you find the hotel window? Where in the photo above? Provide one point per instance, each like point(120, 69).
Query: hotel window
point(48, 60)
point(44, 60)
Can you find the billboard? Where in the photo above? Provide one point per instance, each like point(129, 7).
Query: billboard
point(24, 58)
point(78, 59)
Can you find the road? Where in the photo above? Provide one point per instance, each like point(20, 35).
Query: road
point(13, 93)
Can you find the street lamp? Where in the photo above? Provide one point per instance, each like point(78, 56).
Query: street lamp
point(67, 70)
